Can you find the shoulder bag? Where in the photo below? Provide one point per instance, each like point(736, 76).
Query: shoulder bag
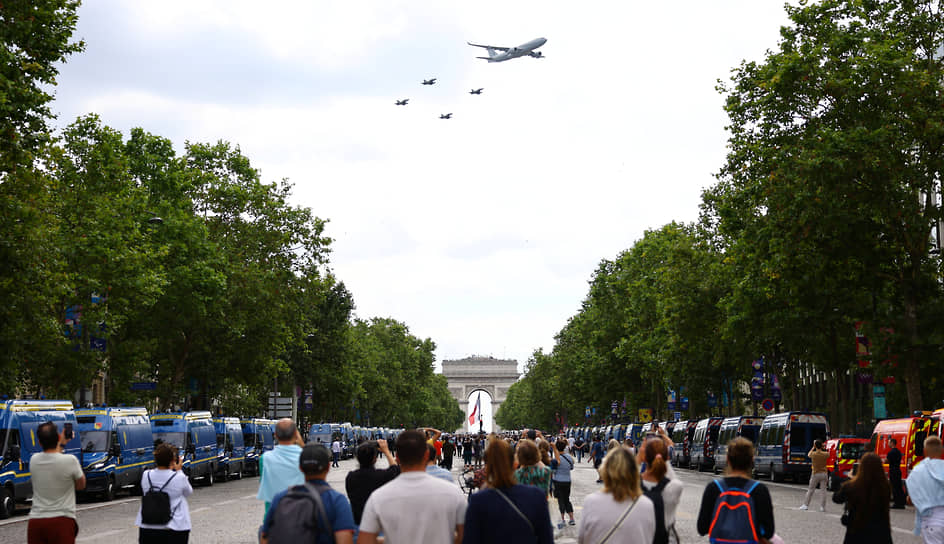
point(619, 521)
point(516, 509)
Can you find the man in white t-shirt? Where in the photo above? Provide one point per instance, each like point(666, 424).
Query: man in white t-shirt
point(55, 477)
point(335, 453)
point(393, 508)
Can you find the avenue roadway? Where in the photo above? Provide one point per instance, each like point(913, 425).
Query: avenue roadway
point(229, 513)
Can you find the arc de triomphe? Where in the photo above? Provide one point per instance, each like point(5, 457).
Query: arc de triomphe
point(494, 376)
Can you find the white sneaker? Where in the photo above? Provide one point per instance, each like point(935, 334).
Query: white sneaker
point(804, 507)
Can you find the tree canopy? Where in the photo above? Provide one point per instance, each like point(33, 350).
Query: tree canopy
point(124, 260)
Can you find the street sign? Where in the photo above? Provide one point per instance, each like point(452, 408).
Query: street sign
point(279, 407)
point(678, 416)
point(768, 405)
point(645, 415)
point(878, 401)
point(143, 386)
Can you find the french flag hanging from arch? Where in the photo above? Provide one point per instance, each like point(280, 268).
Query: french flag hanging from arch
point(477, 411)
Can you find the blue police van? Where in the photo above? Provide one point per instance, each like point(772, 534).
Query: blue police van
point(783, 442)
point(258, 437)
point(117, 447)
point(18, 422)
point(194, 435)
point(230, 448)
point(321, 433)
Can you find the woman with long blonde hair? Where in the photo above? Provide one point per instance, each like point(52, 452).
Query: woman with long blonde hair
point(620, 513)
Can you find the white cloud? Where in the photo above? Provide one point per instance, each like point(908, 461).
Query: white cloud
point(481, 231)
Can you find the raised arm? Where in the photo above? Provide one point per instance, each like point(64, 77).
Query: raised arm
point(385, 449)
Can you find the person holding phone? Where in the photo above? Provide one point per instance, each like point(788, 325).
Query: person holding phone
point(56, 477)
point(168, 476)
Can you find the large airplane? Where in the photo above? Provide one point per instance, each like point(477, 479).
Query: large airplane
point(429, 81)
point(477, 91)
point(508, 53)
point(402, 102)
point(445, 116)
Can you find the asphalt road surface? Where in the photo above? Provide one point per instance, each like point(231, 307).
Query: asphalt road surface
point(229, 513)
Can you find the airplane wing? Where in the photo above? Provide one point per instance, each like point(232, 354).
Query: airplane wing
point(489, 46)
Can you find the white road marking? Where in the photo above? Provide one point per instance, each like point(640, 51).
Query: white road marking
point(100, 535)
point(203, 509)
point(83, 508)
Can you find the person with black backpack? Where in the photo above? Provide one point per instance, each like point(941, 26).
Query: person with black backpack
point(164, 516)
point(663, 490)
point(312, 512)
point(736, 508)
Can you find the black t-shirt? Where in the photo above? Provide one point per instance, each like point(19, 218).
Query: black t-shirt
point(448, 449)
point(763, 507)
point(362, 482)
point(894, 461)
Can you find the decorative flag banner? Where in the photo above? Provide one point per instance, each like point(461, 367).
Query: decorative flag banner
point(477, 411)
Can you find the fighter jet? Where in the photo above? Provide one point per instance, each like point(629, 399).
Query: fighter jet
point(402, 102)
point(477, 91)
point(429, 81)
point(445, 116)
point(508, 53)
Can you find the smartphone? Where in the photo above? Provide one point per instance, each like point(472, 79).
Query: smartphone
point(67, 431)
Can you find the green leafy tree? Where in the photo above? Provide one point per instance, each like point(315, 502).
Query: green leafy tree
point(34, 37)
point(835, 161)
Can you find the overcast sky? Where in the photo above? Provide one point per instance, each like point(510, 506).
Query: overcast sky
point(479, 232)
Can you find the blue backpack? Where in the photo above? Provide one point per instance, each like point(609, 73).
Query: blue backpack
point(733, 519)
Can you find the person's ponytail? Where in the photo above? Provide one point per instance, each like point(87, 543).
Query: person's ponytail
point(654, 452)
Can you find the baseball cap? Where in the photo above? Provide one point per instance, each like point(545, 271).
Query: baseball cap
point(314, 458)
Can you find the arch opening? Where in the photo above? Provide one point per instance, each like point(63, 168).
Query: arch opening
point(483, 399)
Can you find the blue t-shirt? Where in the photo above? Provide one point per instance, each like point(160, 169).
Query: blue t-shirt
point(597, 450)
point(562, 469)
point(337, 508)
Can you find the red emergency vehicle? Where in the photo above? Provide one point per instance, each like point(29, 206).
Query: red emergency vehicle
point(844, 453)
point(910, 433)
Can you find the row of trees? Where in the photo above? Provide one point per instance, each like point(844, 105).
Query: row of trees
point(823, 219)
point(121, 258)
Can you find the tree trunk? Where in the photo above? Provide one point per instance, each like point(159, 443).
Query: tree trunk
point(912, 374)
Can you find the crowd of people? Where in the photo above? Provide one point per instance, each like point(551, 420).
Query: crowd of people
point(415, 497)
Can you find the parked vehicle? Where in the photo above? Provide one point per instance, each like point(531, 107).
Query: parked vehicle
point(194, 435)
point(731, 428)
point(682, 435)
point(230, 448)
point(910, 432)
point(321, 433)
point(668, 427)
point(117, 447)
point(844, 453)
point(634, 432)
point(18, 422)
point(258, 437)
point(784, 441)
point(705, 442)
